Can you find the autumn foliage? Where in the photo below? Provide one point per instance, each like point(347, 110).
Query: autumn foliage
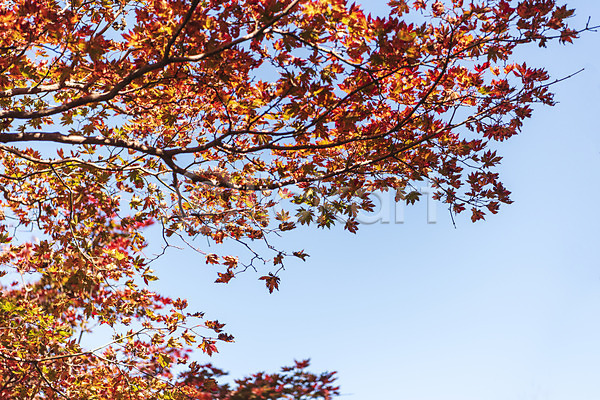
point(227, 121)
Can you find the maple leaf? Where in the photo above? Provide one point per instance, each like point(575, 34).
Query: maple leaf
point(164, 360)
point(278, 259)
point(300, 254)
point(351, 225)
point(214, 325)
point(212, 259)
point(208, 346)
point(412, 197)
point(271, 281)
point(305, 216)
point(230, 261)
point(438, 8)
point(476, 214)
point(224, 277)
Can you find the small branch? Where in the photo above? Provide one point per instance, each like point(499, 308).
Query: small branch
point(39, 370)
point(185, 21)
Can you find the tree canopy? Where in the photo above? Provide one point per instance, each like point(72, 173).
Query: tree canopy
point(230, 121)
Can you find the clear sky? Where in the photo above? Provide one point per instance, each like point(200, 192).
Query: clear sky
point(508, 308)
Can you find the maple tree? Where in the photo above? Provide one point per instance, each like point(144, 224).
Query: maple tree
point(235, 121)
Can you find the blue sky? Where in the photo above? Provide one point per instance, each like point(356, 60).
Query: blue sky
point(503, 309)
